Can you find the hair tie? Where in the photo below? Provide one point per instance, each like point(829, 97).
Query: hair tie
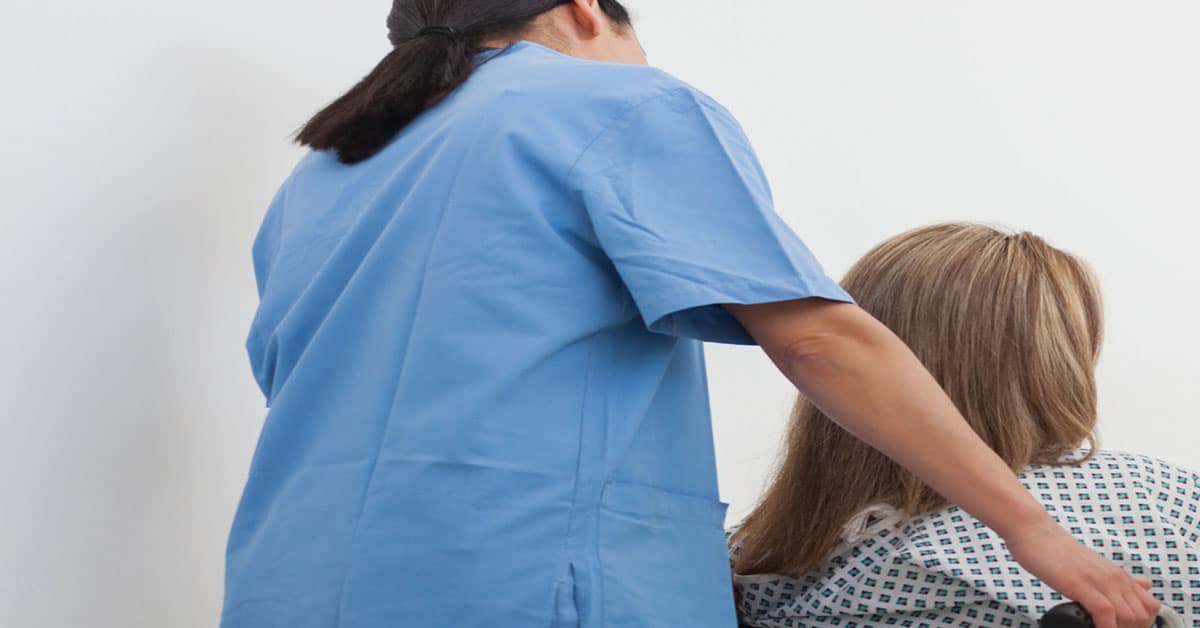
point(444, 31)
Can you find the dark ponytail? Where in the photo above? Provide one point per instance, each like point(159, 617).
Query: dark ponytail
point(435, 47)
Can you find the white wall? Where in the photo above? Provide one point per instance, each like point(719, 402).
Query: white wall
point(143, 139)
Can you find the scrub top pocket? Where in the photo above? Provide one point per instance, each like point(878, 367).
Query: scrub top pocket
point(663, 559)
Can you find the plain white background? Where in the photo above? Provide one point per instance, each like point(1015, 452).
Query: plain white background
point(142, 140)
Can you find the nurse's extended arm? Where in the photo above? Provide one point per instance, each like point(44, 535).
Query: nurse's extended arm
point(865, 378)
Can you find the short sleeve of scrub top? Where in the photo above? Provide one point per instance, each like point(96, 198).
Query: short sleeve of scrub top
point(681, 205)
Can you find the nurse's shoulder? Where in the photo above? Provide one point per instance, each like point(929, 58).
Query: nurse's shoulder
point(552, 86)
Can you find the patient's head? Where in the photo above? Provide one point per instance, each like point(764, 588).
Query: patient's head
point(1009, 326)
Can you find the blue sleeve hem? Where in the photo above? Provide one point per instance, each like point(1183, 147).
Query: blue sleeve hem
point(695, 311)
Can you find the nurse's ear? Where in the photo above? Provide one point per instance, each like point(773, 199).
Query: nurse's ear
point(590, 20)
point(599, 30)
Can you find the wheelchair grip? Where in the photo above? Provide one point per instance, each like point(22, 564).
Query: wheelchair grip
point(1072, 615)
point(1069, 615)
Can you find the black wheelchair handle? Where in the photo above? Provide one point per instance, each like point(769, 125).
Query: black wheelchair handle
point(1072, 615)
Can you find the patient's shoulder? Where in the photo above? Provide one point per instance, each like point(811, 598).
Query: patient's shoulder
point(1114, 482)
point(1112, 465)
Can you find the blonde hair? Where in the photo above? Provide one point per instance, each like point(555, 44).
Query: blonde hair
point(1010, 326)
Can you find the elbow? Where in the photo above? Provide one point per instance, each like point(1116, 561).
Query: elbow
point(818, 352)
point(838, 351)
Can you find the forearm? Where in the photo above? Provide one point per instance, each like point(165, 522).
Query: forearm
point(875, 388)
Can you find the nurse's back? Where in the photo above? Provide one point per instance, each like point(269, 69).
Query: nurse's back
point(481, 350)
point(468, 213)
point(423, 340)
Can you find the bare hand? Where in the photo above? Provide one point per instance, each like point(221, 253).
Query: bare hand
point(1114, 598)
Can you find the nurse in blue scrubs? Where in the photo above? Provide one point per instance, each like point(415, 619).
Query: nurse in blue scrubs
point(483, 300)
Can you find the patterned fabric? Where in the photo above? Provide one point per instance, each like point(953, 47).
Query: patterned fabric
point(948, 569)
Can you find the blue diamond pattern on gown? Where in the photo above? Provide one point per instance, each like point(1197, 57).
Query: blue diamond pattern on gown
point(948, 569)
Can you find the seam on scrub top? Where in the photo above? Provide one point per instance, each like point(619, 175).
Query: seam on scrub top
point(587, 388)
point(622, 120)
point(571, 516)
point(392, 406)
point(711, 108)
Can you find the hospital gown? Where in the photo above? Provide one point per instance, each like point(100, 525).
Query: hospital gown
point(948, 569)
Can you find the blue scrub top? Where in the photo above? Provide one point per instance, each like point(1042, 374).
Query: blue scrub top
point(481, 352)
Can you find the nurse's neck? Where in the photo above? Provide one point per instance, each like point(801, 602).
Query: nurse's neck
point(583, 32)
